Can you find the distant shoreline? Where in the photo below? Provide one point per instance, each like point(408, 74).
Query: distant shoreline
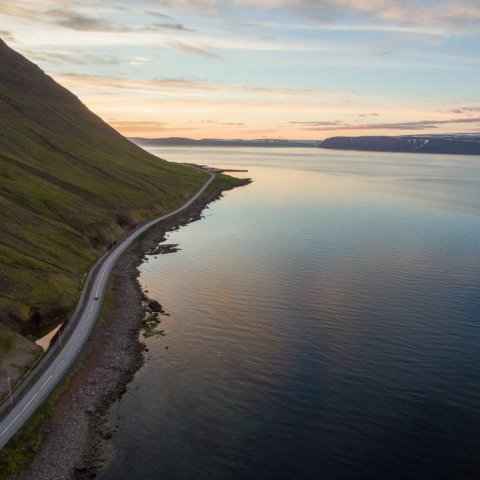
point(214, 142)
point(454, 144)
point(432, 144)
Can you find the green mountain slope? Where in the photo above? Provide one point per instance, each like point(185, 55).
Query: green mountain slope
point(69, 185)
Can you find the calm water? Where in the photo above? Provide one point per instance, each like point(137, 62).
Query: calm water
point(324, 323)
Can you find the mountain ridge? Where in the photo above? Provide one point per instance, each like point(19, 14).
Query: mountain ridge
point(461, 144)
point(217, 142)
point(70, 185)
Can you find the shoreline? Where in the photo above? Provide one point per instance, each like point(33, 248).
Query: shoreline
point(74, 436)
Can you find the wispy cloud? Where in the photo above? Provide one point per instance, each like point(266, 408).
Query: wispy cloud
point(138, 61)
point(16, 9)
point(111, 82)
point(473, 109)
point(147, 128)
point(318, 124)
point(6, 35)
point(382, 50)
point(71, 57)
point(158, 14)
point(182, 84)
point(406, 11)
point(169, 26)
point(77, 21)
point(190, 49)
point(138, 123)
point(216, 122)
point(402, 14)
point(200, 6)
point(415, 125)
point(427, 12)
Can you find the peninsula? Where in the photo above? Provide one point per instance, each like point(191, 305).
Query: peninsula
point(458, 144)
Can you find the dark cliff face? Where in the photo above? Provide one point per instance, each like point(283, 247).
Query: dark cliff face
point(388, 144)
point(461, 145)
point(70, 185)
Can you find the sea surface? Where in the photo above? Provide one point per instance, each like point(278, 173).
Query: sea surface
point(323, 323)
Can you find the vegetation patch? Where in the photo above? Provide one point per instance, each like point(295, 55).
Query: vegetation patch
point(17, 354)
point(18, 453)
point(70, 186)
point(21, 449)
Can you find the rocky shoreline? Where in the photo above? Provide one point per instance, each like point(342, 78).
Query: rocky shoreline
point(75, 435)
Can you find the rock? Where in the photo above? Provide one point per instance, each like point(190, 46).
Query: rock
point(154, 306)
point(106, 431)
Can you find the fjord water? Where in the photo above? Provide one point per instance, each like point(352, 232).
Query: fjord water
point(324, 323)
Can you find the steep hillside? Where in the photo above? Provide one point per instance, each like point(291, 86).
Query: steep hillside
point(69, 185)
point(446, 144)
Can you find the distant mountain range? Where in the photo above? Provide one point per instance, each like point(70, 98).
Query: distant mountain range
point(461, 144)
point(213, 142)
point(455, 144)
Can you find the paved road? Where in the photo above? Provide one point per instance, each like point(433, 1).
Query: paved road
point(83, 319)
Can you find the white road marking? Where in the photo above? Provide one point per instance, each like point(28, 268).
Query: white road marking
point(10, 424)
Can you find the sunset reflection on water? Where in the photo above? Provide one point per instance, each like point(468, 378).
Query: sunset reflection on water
point(323, 324)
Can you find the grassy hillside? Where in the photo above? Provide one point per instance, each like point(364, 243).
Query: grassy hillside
point(16, 354)
point(69, 185)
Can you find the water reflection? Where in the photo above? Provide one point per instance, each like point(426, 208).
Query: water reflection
point(324, 325)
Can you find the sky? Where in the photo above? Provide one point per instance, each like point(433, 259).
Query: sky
point(290, 69)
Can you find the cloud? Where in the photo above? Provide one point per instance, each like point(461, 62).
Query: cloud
point(110, 82)
point(7, 7)
point(138, 123)
point(201, 6)
point(158, 14)
point(216, 122)
point(75, 20)
point(142, 128)
point(7, 36)
point(186, 48)
point(169, 26)
point(382, 50)
point(404, 11)
point(78, 21)
point(412, 12)
point(75, 80)
point(318, 124)
point(474, 109)
point(417, 125)
point(138, 61)
point(72, 58)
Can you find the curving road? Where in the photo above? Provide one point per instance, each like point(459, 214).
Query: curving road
point(28, 397)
